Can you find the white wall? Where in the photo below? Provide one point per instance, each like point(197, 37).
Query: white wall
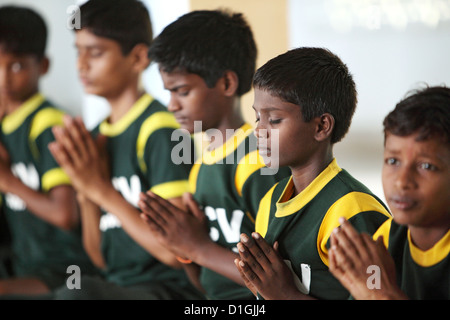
point(390, 47)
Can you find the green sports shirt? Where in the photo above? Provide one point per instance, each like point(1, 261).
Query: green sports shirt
point(421, 275)
point(228, 184)
point(139, 147)
point(302, 225)
point(39, 247)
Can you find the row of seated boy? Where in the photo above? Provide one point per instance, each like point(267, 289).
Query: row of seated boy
point(263, 211)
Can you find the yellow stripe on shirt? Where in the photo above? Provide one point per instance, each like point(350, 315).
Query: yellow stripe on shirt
point(348, 206)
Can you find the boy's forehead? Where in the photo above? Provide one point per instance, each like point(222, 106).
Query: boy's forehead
point(266, 100)
point(8, 54)
point(180, 77)
point(85, 38)
point(430, 146)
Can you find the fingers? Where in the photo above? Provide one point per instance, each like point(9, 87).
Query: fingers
point(248, 252)
point(250, 277)
point(334, 265)
point(193, 206)
point(160, 205)
point(150, 213)
point(260, 260)
point(82, 134)
point(338, 255)
point(3, 153)
point(62, 157)
point(76, 140)
point(257, 247)
point(154, 226)
point(351, 241)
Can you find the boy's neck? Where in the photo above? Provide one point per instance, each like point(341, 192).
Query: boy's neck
point(302, 176)
point(12, 105)
point(121, 103)
point(426, 238)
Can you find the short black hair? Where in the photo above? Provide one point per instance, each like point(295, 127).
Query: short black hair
point(208, 43)
point(125, 21)
point(22, 31)
point(314, 79)
point(425, 111)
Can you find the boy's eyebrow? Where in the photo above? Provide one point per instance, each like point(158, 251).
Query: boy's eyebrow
point(391, 150)
point(91, 46)
point(176, 87)
point(268, 109)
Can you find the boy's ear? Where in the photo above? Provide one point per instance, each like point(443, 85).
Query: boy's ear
point(139, 56)
point(44, 65)
point(325, 126)
point(230, 83)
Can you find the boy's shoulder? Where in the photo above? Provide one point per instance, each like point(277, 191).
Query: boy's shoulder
point(147, 113)
point(333, 194)
point(47, 115)
point(36, 115)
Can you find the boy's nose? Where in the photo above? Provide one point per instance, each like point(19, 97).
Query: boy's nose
point(173, 105)
point(260, 133)
point(82, 63)
point(4, 79)
point(404, 179)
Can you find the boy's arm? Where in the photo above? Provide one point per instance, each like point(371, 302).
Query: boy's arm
point(57, 207)
point(193, 272)
point(90, 221)
point(77, 152)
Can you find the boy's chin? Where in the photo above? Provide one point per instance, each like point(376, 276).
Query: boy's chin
point(271, 162)
point(188, 127)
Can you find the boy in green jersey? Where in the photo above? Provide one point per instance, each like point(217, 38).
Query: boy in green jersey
point(112, 47)
point(307, 96)
point(38, 201)
point(207, 60)
point(416, 183)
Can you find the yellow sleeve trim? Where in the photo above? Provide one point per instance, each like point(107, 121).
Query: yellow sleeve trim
point(246, 167)
point(156, 121)
point(53, 178)
point(262, 217)
point(348, 206)
point(384, 230)
point(171, 189)
point(45, 119)
point(193, 174)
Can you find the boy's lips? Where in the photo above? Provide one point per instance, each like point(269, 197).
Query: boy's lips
point(264, 151)
point(402, 202)
point(181, 119)
point(85, 81)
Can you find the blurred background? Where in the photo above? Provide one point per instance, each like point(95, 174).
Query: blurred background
point(390, 47)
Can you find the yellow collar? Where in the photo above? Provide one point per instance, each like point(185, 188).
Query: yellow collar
point(433, 255)
point(286, 208)
point(13, 120)
point(120, 126)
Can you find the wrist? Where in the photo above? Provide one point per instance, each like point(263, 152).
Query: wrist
point(11, 184)
point(202, 252)
point(183, 260)
point(100, 192)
